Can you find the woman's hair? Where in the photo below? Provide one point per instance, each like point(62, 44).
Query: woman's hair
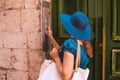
point(88, 48)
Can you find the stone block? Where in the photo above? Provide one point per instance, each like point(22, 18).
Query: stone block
point(32, 4)
point(34, 40)
point(14, 40)
point(5, 58)
point(19, 59)
point(2, 4)
point(35, 58)
point(12, 4)
point(1, 40)
point(30, 20)
point(3, 74)
point(47, 0)
point(13, 20)
point(17, 75)
point(2, 20)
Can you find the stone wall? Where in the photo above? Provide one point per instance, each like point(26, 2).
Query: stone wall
point(20, 39)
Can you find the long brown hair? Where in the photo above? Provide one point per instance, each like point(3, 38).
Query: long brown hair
point(88, 48)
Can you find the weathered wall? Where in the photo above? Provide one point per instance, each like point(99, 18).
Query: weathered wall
point(20, 39)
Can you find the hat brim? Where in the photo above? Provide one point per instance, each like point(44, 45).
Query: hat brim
point(84, 34)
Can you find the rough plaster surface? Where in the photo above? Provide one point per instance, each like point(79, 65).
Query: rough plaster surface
point(20, 39)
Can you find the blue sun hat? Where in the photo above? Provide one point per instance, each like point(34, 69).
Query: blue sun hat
point(76, 25)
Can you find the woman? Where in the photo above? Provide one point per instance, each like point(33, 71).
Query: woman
point(77, 25)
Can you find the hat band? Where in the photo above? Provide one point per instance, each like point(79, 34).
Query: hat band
point(77, 23)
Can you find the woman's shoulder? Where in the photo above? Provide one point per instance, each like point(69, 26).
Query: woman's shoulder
point(70, 42)
point(69, 45)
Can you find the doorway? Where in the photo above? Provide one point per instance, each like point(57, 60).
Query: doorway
point(94, 10)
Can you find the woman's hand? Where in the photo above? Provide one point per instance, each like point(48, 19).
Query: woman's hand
point(52, 40)
point(54, 53)
point(49, 32)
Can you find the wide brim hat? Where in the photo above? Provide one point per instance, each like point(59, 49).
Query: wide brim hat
point(76, 25)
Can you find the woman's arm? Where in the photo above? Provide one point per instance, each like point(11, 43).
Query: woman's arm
point(53, 41)
point(65, 68)
point(68, 63)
